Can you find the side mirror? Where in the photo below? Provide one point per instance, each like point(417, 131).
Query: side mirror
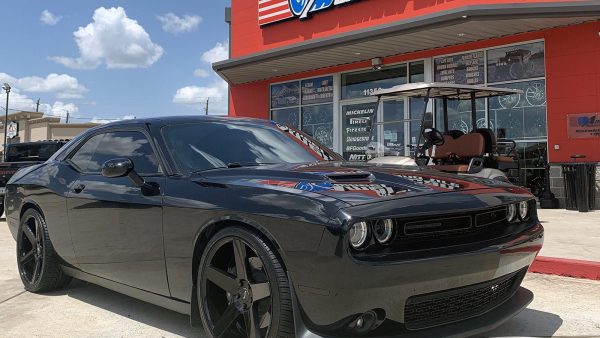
point(120, 167)
point(117, 167)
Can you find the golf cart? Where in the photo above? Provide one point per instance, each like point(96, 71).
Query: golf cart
point(476, 151)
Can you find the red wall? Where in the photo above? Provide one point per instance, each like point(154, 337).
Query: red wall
point(248, 37)
point(572, 86)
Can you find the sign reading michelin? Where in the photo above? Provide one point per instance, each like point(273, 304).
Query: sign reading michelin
point(270, 11)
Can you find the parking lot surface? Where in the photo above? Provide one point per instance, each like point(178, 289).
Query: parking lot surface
point(562, 307)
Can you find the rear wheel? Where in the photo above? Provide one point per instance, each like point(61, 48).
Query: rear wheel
point(243, 288)
point(38, 264)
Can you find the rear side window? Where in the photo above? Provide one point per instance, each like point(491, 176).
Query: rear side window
point(129, 144)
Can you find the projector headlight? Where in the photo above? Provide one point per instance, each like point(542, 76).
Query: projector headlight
point(511, 212)
point(383, 230)
point(523, 210)
point(359, 234)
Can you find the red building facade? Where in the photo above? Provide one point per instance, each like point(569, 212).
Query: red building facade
point(311, 64)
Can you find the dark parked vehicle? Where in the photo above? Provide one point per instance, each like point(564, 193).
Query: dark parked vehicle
point(21, 155)
point(254, 229)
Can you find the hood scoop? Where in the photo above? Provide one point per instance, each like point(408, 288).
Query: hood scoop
point(357, 176)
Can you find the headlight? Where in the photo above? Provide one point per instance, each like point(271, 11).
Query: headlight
point(359, 234)
point(511, 212)
point(523, 210)
point(383, 230)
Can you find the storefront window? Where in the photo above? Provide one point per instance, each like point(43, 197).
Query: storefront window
point(516, 62)
point(285, 95)
point(416, 71)
point(307, 105)
point(363, 84)
point(468, 68)
point(521, 116)
point(317, 121)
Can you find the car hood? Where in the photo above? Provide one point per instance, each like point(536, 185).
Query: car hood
point(354, 183)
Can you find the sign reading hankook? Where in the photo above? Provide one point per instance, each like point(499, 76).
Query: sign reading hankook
point(270, 11)
point(583, 125)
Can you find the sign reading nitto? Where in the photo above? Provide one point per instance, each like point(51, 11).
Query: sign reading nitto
point(270, 11)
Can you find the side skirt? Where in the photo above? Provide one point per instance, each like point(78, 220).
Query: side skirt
point(149, 297)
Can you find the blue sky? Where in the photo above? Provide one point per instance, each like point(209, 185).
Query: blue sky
point(114, 59)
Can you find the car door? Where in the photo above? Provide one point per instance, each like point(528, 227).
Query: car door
point(116, 228)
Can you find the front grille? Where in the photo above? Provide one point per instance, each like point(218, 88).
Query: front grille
point(439, 231)
point(443, 307)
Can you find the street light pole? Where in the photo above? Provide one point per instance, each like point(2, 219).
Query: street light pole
point(6, 88)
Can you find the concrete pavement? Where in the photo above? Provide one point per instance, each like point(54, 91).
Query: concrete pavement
point(571, 234)
point(562, 307)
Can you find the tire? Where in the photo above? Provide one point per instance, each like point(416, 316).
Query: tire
point(38, 263)
point(243, 300)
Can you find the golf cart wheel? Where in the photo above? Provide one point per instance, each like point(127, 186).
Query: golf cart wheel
point(243, 288)
point(37, 261)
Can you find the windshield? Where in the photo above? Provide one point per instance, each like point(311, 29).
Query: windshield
point(31, 152)
point(209, 145)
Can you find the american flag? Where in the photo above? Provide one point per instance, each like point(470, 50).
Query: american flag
point(273, 10)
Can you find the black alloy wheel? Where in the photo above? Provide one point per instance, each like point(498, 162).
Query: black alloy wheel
point(37, 262)
point(243, 288)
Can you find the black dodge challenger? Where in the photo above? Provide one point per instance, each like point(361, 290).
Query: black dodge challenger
point(256, 230)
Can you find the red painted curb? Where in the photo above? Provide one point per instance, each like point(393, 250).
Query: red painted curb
point(566, 267)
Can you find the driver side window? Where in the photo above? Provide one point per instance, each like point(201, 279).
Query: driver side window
point(128, 144)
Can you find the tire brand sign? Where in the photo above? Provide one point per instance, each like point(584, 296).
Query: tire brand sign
point(583, 125)
point(270, 11)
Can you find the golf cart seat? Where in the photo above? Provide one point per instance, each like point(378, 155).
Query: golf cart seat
point(455, 154)
point(491, 148)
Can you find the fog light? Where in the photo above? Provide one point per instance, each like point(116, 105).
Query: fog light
point(511, 213)
point(523, 210)
point(359, 233)
point(364, 323)
point(383, 230)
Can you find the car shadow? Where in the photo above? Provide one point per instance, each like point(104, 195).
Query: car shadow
point(529, 323)
point(134, 309)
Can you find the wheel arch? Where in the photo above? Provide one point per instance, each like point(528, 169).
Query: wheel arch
point(29, 204)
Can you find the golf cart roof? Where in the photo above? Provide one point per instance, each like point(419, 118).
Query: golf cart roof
point(440, 90)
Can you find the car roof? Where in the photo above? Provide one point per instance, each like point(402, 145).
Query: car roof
point(165, 120)
point(439, 90)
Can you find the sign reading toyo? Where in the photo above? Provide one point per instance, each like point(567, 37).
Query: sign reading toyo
point(270, 11)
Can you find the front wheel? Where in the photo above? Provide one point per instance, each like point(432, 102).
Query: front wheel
point(38, 264)
point(243, 288)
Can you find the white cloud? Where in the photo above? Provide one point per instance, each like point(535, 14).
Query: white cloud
point(60, 109)
point(196, 96)
point(175, 24)
point(114, 39)
point(62, 86)
point(201, 73)
point(219, 52)
point(48, 18)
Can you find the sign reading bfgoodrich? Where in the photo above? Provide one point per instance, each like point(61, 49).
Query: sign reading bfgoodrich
point(583, 125)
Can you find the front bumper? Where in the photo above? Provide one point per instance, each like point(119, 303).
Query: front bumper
point(337, 289)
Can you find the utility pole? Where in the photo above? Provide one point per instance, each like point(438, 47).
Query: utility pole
point(206, 109)
point(37, 106)
point(67, 117)
point(6, 88)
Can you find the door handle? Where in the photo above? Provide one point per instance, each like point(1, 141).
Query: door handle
point(78, 188)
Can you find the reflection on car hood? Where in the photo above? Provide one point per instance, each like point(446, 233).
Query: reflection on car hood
point(354, 183)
